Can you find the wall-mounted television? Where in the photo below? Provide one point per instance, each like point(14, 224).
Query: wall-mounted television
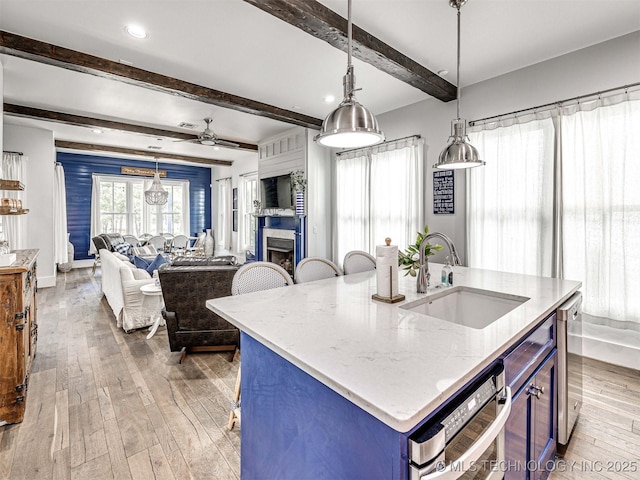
point(277, 192)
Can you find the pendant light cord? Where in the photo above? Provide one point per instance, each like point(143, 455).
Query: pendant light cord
point(458, 68)
point(349, 33)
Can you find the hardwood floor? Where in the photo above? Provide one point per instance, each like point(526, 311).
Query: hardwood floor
point(606, 440)
point(105, 404)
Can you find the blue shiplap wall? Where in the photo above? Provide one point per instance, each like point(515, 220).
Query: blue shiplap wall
point(78, 170)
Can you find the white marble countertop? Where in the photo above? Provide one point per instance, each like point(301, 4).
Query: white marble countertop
point(393, 363)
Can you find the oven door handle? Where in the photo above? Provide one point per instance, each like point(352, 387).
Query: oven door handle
point(457, 468)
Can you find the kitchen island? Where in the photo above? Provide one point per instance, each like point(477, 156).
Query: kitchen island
point(333, 382)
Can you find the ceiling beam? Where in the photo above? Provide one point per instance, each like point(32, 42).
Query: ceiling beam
point(35, 50)
point(81, 121)
point(325, 24)
point(145, 153)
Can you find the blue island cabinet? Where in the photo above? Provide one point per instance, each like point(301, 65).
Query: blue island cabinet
point(531, 430)
point(295, 427)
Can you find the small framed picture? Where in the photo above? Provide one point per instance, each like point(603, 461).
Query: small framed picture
point(235, 199)
point(235, 220)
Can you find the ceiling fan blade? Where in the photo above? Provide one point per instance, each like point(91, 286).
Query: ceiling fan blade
point(186, 140)
point(224, 143)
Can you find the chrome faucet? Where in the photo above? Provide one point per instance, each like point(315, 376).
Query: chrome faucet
point(423, 272)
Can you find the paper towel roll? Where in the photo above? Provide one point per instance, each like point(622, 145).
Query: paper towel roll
point(387, 270)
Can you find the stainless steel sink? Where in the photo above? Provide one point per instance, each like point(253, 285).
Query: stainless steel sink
point(466, 306)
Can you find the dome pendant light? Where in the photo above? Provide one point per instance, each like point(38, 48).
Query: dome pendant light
point(350, 125)
point(156, 195)
point(459, 153)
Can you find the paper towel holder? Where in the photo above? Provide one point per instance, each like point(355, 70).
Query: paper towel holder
point(390, 299)
point(394, 299)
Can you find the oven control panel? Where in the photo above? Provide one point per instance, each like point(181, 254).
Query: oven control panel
point(468, 408)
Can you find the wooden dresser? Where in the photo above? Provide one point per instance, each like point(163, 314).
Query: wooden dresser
point(18, 333)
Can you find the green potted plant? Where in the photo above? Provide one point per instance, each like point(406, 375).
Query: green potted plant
point(409, 260)
point(298, 181)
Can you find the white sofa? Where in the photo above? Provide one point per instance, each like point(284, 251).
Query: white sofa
point(121, 282)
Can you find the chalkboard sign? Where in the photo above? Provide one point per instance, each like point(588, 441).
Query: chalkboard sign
point(443, 191)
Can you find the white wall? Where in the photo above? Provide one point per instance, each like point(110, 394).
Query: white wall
point(1, 103)
point(38, 147)
point(607, 65)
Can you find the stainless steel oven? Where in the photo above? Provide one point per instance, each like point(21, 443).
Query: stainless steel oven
point(465, 440)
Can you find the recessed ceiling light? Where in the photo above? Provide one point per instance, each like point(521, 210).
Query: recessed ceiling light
point(442, 73)
point(154, 147)
point(296, 107)
point(136, 31)
point(329, 99)
point(96, 130)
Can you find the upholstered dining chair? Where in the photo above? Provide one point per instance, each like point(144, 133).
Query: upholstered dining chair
point(197, 248)
point(254, 277)
point(142, 239)
point(179, 244)
point(131, 239)
point(316, 268)
point(157, 241)
point(357, 261)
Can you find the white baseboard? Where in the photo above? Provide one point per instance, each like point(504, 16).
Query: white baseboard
point(82, 263)
point(605, 344)
point(44, 282)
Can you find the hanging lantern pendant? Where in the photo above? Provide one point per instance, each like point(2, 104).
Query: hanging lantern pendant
point(156, 195)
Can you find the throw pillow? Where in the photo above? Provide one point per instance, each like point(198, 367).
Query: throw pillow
point(146, 250)
point(120, 256)
point(122, 248)
point(159, 260)
point(140, 274)
point(141, 262)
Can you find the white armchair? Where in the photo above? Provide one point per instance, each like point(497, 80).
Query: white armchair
point(121, 282)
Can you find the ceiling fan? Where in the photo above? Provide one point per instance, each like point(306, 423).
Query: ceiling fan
point(209, 138)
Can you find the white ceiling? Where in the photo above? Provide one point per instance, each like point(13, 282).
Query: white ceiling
point(237, 48)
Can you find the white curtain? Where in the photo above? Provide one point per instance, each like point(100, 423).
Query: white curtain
point(95, 213)
point(397, 186)
point(246, 223)
point(510, 199)
point(224, 213)
point(601, 205)
point(352, 202)
point(14, 227)
point(379, 194)
point(59, 216)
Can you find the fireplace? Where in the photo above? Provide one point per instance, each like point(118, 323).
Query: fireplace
point(279, 248)
point(281, 239)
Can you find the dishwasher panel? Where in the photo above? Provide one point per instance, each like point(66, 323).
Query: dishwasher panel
point(569, 366)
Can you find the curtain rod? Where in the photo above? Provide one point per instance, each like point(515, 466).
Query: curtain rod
point(556, 103)
point(225, 178)
point(16, 153)
point(247, 174)
point(378, 144)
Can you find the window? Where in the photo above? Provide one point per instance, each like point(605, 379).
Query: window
point(249, 224)
point(379, 194)
point(572, 210)
point(122, 208)
point(601, 208)
point(224, 213)
point(510, 199)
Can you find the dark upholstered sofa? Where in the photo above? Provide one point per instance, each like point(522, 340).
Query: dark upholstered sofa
point(186, 285)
